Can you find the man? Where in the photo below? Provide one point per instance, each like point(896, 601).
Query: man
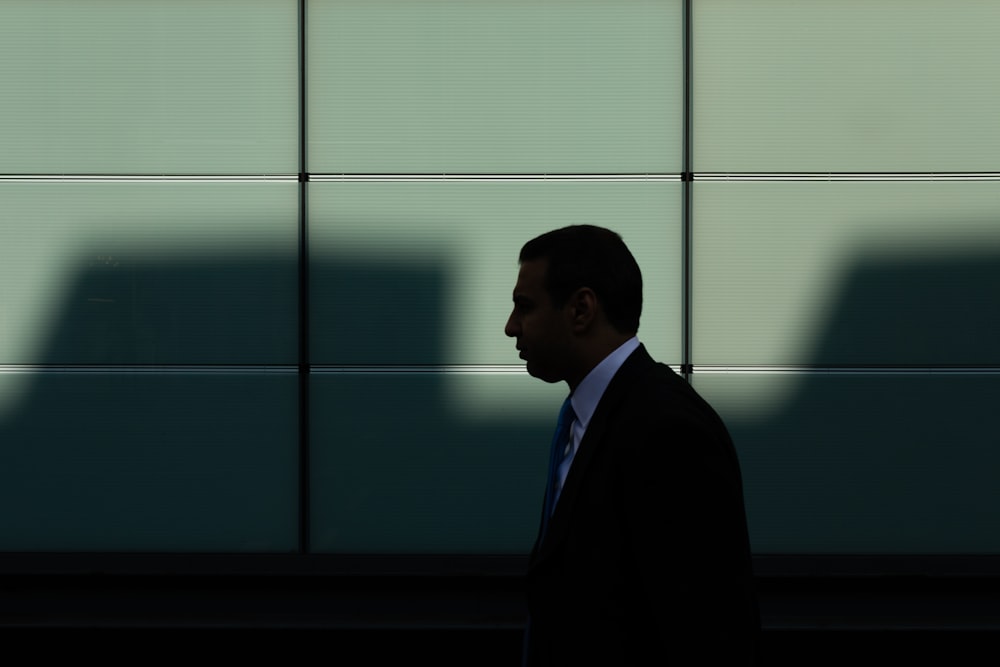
point(644, 558)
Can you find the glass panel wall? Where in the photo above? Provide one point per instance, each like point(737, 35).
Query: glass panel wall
point(149, 276)
point(572, 86)
point(846, 273)
point(864, 462)
point(212, 211)
point(845, 86)
point(426, 433)
point(158, 272)
point(411, 278)
point(174, 87)
point(406, 272)
point(845, 266)
point(148, 460)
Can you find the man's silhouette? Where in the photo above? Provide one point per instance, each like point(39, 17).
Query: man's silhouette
point(642, 556)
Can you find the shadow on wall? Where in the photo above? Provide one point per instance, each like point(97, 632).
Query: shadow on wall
point(903, 458)
point(197, 449)
point(178, 457)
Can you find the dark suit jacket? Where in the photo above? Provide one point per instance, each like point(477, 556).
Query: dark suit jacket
point(646, 558)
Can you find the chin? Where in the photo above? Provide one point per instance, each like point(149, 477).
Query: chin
point(545, 375)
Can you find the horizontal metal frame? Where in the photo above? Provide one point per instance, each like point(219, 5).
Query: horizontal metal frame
point(179, 369)
point(855, 176)
point(453, 369)
point(475, 369)
point(321, 178)
point(429, 369)
point(708, 177)
point(849, 370)
point(148, 178)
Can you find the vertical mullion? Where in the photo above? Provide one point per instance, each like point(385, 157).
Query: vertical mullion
point(303, 287)
point(687, 182)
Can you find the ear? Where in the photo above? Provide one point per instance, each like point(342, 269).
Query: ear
point(583, 309)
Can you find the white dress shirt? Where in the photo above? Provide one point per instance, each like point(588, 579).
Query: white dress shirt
point(585, 399)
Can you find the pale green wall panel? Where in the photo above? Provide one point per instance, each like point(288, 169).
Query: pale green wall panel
point(846, 273)
point(116, 86)
point(148, 273)
point(435, 86)
point(422, 272)
point(407, 463)
point(865, 463)
point(167, 462)
point(851, 85)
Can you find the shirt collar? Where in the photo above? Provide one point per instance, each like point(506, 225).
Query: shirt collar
point(589, 392)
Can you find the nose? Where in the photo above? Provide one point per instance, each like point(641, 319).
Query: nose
point(512, 328)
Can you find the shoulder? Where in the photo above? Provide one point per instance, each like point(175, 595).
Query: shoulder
point(650, 397)
point(645, 382)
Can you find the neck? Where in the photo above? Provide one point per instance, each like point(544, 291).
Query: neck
point(594, 353)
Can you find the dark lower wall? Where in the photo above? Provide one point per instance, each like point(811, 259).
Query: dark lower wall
point(461, 620)
point(471, 648)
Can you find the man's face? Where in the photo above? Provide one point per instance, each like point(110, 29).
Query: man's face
point(543, 332)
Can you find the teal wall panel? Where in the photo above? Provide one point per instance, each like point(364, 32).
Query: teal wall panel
point(572, 86)
point(148, 273)
point(178, 87)
point(846, 273)
point(422, 272)
point(168, 461)
point(845, 86)
point(409, 463)
point(864, 463)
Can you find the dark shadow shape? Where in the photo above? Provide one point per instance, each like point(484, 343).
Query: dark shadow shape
point(168, 459)
point(900, 459)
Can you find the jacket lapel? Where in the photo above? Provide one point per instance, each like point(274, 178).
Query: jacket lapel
point(591, 443)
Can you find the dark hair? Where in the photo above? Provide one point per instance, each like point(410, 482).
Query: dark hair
point(594, 257)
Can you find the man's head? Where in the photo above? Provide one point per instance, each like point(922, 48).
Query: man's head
point(578, 296)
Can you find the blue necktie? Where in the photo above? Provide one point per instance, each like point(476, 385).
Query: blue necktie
point(560, 449)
